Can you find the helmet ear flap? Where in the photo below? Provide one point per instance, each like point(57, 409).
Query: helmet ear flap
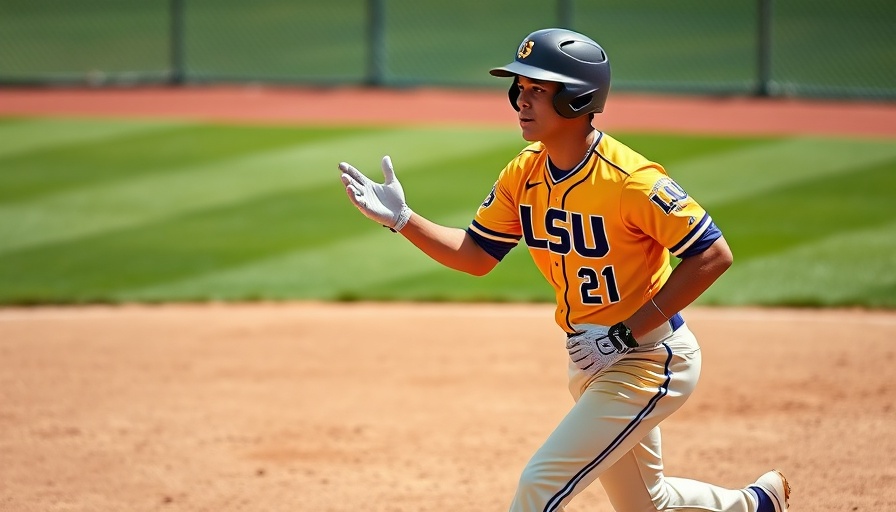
point(570, 106)
point(514, 93)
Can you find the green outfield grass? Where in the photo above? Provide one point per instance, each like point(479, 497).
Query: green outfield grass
point(111, 211)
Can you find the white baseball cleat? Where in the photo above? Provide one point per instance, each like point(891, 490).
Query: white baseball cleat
point(778, 489)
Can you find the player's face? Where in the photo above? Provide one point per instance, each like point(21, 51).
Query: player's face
point(538, 119)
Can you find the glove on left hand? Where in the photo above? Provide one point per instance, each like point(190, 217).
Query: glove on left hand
point(383, 203)
point(597, 347)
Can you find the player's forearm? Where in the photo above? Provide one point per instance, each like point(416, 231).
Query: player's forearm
point(688, 281)
point(449, 246)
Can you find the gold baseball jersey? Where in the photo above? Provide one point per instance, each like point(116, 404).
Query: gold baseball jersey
point(601, 234)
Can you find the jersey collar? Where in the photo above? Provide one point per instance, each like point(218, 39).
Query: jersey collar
point(557, 175)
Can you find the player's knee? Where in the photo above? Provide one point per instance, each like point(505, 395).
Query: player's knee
point(637, 498)
point(530, 476)
point(537, 483)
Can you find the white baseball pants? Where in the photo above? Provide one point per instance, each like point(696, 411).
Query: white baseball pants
point(612, 434)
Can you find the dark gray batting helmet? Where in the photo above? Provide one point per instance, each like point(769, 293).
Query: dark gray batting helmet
point(578, 63)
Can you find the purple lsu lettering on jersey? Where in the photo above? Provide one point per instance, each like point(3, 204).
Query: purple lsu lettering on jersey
point(601, 236)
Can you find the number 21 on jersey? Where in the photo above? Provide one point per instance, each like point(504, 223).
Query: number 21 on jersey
point(566, 234)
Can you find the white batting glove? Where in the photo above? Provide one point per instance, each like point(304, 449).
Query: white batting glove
point(383, 203)
point(597, 347)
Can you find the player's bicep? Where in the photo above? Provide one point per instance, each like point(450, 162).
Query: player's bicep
point(480, 260)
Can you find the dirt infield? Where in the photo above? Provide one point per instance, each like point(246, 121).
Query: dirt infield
point(408, 408)
point(413, 407)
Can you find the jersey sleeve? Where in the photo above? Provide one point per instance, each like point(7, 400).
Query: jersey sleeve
point(496, 226)
point(656, 205)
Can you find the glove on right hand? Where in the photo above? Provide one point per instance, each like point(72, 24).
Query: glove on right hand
point(383, 203)
point(597, 347)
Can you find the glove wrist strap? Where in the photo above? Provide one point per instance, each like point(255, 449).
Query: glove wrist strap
point(403, 217)
point(623, 334)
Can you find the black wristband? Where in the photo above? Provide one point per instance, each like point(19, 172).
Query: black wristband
point(621, 336)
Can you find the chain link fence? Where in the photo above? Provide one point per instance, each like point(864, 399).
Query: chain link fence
point(805, 48)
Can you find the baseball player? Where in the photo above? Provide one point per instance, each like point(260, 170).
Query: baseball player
point(601, 223)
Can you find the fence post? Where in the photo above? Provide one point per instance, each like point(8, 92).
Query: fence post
point(177, 41)
point(376, 42)
point(764, 46)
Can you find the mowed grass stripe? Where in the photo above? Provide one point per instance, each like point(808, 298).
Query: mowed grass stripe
point(76, 166)
point(669, 149)
point(19, 136)
point(448, 191)
point(151, 198)
point(372, 266)
point(757, 169)
point(95, 268)
point(351, 267)
point(804, 213)
point(852, 267)
point(515, 279)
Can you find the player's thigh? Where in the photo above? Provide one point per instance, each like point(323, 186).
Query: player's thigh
point(620, 407)
point(612, 415)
